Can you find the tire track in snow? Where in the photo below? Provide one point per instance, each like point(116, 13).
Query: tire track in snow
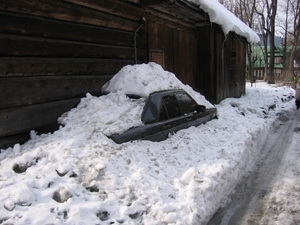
point(252, 188)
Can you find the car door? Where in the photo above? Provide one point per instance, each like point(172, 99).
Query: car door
point(188, 108)
point(170, 117)
point(193, 113)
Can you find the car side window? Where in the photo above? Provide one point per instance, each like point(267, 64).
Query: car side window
point(169, 108)
point(187, 104)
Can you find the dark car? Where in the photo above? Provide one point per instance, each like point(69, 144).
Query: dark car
point(164, 113)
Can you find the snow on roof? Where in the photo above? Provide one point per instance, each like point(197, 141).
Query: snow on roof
point(228, 21)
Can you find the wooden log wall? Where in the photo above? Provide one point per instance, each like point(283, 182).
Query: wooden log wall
point(221, 64)
point(171, 31)
point(208, 64)
point(235, 66)
point(52, 52)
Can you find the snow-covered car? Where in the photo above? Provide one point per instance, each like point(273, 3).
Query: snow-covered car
point(164, 113)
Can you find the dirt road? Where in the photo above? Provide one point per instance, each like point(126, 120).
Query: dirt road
point(246, 198)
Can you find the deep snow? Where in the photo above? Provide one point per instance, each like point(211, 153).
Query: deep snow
point(78, 176)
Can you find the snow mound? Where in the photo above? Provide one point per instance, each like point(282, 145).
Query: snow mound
point(142, 80)
point(109, 114)
point(145, 79)
point(138, 80)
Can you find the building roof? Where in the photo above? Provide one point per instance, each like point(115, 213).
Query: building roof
point(260, 61)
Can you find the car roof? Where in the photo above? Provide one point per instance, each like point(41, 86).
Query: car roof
point(163, 92)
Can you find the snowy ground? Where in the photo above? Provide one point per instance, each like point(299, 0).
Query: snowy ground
point(78, 176)
point(282, 205)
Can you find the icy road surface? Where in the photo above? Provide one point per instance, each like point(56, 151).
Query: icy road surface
point(257, 199)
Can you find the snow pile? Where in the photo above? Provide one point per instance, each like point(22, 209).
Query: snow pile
point(138, 80)
point(228, 21)
point(79, 176)
point(110, 114)
point(144, 79)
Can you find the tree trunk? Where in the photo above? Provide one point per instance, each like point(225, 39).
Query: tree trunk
point(272, 15)
point(291, 73)
point(271, 77)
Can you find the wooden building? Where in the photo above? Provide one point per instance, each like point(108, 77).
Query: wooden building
point(52, 52)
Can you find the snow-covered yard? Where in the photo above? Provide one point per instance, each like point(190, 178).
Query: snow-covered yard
point(79, 176)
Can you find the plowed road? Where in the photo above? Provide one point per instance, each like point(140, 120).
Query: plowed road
point(247, 197)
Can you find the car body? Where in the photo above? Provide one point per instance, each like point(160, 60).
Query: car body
point(164, 113)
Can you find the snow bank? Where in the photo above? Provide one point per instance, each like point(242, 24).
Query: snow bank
point(115, 112)
point(282, 204)
point(78, 176)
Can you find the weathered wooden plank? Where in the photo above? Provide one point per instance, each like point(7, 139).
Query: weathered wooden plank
point(159, 17)
point(219, 77)
point(180, 12)
point(17, 120)
point(16, 45)
point(185, 57)
point(59, 10)
point(11, 140)
point(12, 23)
point(240, 65)
point(206, 62)
point(32, 66)
point(151, 2)
point(161, 39)
point(115, 7)
point(20, 91)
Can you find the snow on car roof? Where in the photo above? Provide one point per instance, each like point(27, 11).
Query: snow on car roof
point(144, 79)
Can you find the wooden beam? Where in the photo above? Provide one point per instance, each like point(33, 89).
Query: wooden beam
point(33, 66)
point(20, 91)
point(12, 23)
point(16, 45)
point(151, 2)
point(178, 13)
point(161, 18)
point(62, 10)
point(17, 120)
point(114, 7)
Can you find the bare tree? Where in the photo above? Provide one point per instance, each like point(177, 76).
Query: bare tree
point(267, 12)
point(271, 12)
point(283, 27)
point(264, 34)
point(229, 4)
point(295, 10)
point(247, 15)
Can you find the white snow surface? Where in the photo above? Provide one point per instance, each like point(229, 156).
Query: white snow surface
point(77, 175)
point(227, 20)
point(143, 79)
